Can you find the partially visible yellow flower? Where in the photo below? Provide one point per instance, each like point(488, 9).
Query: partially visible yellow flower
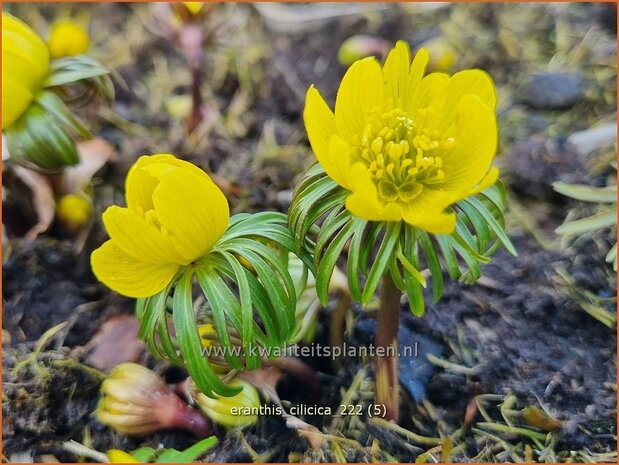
point(119, 456)
point(67, 38)
point(25, 63)
point(238, 410)
point(209, 339)
point(73, 210)
point(136, 401)
point(175, 214)
point(442, 54)
point(194, 7)
point(406, 146)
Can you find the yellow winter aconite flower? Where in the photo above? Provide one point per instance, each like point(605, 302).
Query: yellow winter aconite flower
point(406, 146)
point(174, 215)
point(238, 410)
point(67, 38)
point(194, 7)
point(119, 456)
point(73, 210)
point(25, 63)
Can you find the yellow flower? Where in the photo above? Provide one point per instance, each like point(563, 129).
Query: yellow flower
point(25, 62)
point(74, 210)
point(194, 7)
point(209, 340)
point(406, 146)
point(67, 38)
point(119, 456)
point(238, 410)
point(174, 216)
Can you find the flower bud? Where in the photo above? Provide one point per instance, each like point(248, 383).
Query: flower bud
point(442, 55)
point(25, 63)
point(238, 410)
point(119, 456)
point(361, 46)
point(210, 340)
point(136, 401)
point(67, 38)
point(73, 211)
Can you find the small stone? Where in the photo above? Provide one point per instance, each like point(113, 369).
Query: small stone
point(414, 368)
point(553, 91)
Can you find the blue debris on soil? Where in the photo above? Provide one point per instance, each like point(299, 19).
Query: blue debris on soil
point(415, 369)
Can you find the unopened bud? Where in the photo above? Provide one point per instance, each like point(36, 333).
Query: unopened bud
point(73, 211)
point(442, 54)
point(361, 46)
point(67, 38)
point(238, 410)
point(137, 401)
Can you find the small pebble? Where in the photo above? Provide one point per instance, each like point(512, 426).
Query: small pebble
point(553, 91)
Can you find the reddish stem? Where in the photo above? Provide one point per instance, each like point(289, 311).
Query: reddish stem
point(172, 412)
point(386, 383)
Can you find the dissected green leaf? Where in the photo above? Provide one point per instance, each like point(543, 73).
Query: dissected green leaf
point(587, 193)
point(600, 220)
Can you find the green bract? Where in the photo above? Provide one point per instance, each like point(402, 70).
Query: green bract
point(250, 294)
point(323, 227)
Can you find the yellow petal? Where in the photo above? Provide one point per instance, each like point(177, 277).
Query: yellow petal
point(191, 207)
point(427, 211)
point(25, 62)
point(468, 82)
point(360, 91)
point(364, 201)
point(337, 164)
point(476, 143)
point(17, 100)
point(194, 7)
point(140, 184)
point(140, 238)
point(472, 81)
point(416, 72)
point(431, 93)
point(119, 456)
point(488, 180)
point(395, 75)
point(128, 276)
point(319, 123)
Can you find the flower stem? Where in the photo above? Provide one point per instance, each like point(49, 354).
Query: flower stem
point(172, 412)
point(386, 384)
point(337, 320)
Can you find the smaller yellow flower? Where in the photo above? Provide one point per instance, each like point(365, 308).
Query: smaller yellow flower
point(119, 456)
point(67, 38)
point(25, 63)
point(194, 7)
point(210, 340)
point(135, 401)
point(175, 214)
point(73, 210)
point(442, 54)
point(238, 410)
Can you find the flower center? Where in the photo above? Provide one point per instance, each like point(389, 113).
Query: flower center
point(401, 157)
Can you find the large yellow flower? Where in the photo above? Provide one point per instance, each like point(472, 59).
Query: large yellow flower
point(25, 62)
point(406, 146)
point(174, 216)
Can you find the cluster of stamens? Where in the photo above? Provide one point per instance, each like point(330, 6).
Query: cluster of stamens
point(400, 156)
